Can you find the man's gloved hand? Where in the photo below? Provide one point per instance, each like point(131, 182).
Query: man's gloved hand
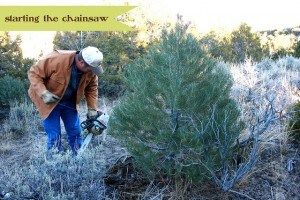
point(49, 97)
point(92, 113)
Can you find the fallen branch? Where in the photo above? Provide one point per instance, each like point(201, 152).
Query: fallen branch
point(244, 195)
point(290, 163)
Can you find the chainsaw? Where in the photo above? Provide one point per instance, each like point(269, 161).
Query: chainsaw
point(92, 127)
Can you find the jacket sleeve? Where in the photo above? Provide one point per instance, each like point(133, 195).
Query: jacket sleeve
point(37, 74)
point(91, 92)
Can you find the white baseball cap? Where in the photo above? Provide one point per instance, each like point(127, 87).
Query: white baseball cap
point(93, 57)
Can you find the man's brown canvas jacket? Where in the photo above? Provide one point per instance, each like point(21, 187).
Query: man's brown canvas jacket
point(53, 73)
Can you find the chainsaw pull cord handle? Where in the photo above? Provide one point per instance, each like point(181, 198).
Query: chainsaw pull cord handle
point(88, 123)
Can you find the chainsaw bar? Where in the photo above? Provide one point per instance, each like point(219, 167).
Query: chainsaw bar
point(85, 143)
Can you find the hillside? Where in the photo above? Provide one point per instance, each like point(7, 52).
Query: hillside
point(294, 31)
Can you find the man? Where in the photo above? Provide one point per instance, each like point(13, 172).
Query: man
point(57, 84)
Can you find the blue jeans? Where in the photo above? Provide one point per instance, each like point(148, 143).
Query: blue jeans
point(69, 115)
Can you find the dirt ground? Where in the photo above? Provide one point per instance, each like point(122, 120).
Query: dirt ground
point(270, 179)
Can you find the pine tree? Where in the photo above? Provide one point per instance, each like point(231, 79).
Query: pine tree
point(177, 118)
point(12, 62)
point(296, 49)
point(246, 44)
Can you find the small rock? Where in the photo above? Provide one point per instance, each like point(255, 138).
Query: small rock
point(4, 195)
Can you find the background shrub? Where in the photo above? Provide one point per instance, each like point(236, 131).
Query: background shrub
point(111, 86)
point(11, 89)
point(294, 124)
point(280, 53)
point(12, 62)
point(241, 44)
point(296, 49)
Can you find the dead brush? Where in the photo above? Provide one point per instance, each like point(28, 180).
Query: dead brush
point(253, 81)
point(263, 96)
point(23, 119)
point(61, 177)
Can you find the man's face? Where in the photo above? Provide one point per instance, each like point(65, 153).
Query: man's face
point(84, 68)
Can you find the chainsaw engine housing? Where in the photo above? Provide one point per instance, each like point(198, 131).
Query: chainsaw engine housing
point(96, 126)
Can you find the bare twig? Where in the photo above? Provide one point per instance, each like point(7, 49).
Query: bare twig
point(290, 163)
point(148, 145)
point(244, 195)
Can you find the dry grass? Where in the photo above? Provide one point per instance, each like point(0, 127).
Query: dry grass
point(27, 172)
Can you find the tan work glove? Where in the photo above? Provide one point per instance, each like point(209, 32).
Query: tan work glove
point(92, 113)
point(49, 97)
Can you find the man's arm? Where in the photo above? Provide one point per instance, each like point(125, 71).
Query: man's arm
point(36, 76)
point(91, 93)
